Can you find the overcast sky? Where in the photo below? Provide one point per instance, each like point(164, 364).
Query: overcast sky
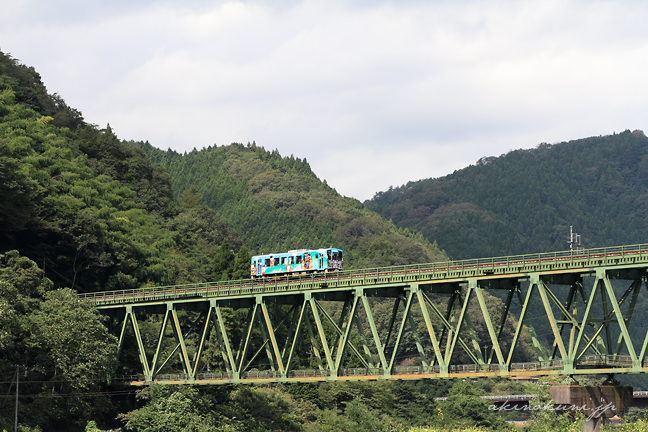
point(372, 93)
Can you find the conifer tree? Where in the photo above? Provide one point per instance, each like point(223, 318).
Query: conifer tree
point(223, 262)
point(242, 264)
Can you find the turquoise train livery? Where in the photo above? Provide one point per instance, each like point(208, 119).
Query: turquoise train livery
point(296, 262)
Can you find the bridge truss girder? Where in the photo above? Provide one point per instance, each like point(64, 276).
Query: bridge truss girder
point(338, 325)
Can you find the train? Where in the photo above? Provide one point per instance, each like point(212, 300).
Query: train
point(302, 261)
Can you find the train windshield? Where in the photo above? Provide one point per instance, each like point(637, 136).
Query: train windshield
point(335, 255)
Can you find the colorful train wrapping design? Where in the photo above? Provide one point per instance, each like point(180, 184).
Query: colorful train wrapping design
point(297, 262)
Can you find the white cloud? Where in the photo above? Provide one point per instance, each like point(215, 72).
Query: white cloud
point(372, 93)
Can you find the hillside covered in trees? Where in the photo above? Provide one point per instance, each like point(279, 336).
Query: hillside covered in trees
point(277, 203)
point(95, 213)
point(525, 201)
point(79, 211)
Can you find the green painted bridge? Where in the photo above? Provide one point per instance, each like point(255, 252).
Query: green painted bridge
point(436, 320)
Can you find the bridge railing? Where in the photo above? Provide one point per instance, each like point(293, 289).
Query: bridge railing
point(306, 374)
point(474, 267)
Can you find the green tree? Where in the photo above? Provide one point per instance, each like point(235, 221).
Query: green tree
point(546, 420)
point(264, 409)
point(241, 268)
point(62, 342)
point(170, 409)
point(464, 407)
point(223, 262)
point(191, 197)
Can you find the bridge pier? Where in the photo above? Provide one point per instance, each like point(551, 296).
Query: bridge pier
point(597, 403)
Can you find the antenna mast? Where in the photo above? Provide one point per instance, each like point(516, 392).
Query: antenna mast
point(574, 240)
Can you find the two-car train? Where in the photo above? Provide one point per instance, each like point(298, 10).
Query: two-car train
point(300, 261)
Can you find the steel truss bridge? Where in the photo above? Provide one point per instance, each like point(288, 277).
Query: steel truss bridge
point(315, 327)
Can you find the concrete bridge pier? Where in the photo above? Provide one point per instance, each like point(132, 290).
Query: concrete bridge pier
point(597, 403)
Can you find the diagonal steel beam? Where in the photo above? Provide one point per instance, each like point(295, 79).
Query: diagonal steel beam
point(462, 314)
point(318, 357)
point(201, 344)
point(417, 340)
point(161, 336)
point(604, 303)
point(430, 329)
point(342, 321)
point(507, 307)
point(489, 324)
point(477, 358)
point(223, 339)
point(447, 320)
point(247, 340)
point(635, 288)
point(566, 315)
point(408, 304)
point(619, 315)
point(374, 332)
point(294, 310)
point(542, 289)
point(339, 332)
point(451, 331)
point(295, 338)
point(347, 330)
point(266, 341)
point(390, 326)
point(184, 355)
point(363, 339)
point(140, 345)
point(124, 325)
point(520, 325)
point(322, 335)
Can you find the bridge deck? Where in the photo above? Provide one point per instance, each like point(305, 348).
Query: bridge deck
point(286, 315)
point(450, 271)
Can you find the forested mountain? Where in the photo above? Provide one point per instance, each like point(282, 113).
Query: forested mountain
point(525, 201)
point(96, 213)
point(81, 210)
point(277, 203)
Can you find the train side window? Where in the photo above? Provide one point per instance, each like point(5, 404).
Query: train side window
point(298, 259)
point(267, 262)
point(283, 260)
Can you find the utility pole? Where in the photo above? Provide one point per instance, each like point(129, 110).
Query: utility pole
point(485, 360)
point(17, 382)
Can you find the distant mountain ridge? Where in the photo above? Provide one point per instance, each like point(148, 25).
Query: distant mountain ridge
point(526, 200)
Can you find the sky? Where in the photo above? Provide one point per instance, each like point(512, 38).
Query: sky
point(372, 93)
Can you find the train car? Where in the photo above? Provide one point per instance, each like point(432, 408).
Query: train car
point(300, 261)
